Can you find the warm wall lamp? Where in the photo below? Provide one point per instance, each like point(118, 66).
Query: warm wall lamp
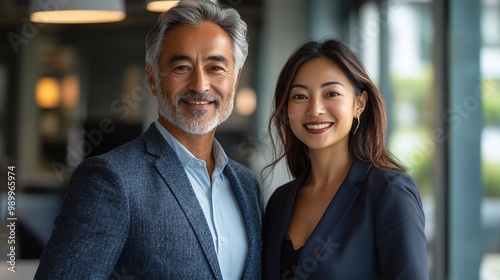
point(160, 5)
point(77, 11)
point(48, 93)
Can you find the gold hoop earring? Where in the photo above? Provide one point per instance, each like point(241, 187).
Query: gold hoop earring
point(357, 126)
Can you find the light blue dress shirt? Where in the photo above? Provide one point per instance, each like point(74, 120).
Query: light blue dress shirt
point(219, 205)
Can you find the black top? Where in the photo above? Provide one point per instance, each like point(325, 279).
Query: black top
point(289, 259)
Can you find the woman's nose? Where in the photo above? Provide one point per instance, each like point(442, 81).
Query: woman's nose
point(315, 107)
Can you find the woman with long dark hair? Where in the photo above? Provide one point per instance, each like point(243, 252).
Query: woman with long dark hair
point(351, 211)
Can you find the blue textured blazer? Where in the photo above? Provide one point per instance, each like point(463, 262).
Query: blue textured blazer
point(372, 229)
point(132, 214)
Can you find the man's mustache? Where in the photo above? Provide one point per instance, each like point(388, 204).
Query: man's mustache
point(197, 96)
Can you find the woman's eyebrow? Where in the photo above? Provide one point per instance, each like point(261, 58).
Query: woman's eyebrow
point(332, 83)
point(323, 85)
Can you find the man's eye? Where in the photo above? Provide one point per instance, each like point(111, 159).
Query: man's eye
point(216, 68)
point(181, 68)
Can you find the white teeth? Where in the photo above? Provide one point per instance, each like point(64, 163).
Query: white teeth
point(199, 102)
point(318, 126)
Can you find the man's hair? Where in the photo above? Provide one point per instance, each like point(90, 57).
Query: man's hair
point(194, 12)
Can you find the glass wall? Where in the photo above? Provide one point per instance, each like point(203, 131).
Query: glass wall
point(396, 48)
point(411, 73)
point(417, 53)
point(490, 137)
point(411, 80)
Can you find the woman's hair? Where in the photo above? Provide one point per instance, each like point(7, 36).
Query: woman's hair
point(194, 13)
point(368, 143)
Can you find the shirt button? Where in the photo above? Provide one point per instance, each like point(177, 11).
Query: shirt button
point(222, 239)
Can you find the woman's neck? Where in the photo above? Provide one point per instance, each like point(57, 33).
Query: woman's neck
point(329, 167)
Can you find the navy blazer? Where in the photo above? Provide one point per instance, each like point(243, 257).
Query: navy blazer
point(372, 229)
point(132, 214)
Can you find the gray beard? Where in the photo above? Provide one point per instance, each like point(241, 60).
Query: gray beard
point(195, 124)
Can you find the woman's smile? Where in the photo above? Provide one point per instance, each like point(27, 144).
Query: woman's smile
point(318, 127)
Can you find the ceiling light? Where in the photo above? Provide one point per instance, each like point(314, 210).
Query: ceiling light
point(77, 11)
point(160, 5)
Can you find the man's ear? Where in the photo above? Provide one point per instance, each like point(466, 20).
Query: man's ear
point(361, 102)
point(151, 79)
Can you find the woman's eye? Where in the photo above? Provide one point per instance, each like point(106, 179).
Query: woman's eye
point(332, 94)
point(299, 96)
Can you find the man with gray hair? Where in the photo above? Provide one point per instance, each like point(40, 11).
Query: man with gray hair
point(170, 204)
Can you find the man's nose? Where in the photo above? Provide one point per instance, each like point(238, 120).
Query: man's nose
point(199, 81)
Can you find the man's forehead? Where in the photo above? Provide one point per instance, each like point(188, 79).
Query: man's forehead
point(207, 40)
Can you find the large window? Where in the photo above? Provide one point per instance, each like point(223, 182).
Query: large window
point(416, 68)
point(490, 138)
point(411, 72)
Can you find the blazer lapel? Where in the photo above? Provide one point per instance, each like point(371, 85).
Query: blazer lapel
point(253, 223)
point(321, 241)
point(170, 169)
point(279, 231)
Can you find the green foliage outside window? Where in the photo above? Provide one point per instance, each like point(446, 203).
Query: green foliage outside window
point(417, 91)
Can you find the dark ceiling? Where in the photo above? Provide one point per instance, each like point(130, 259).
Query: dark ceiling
point(12, 12)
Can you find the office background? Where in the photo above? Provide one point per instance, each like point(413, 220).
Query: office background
point(70, 91)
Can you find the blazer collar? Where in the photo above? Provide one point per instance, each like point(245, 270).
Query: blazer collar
point(321, 241)
point(170, 169)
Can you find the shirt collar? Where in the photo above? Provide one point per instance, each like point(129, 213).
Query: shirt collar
point(186, 156)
